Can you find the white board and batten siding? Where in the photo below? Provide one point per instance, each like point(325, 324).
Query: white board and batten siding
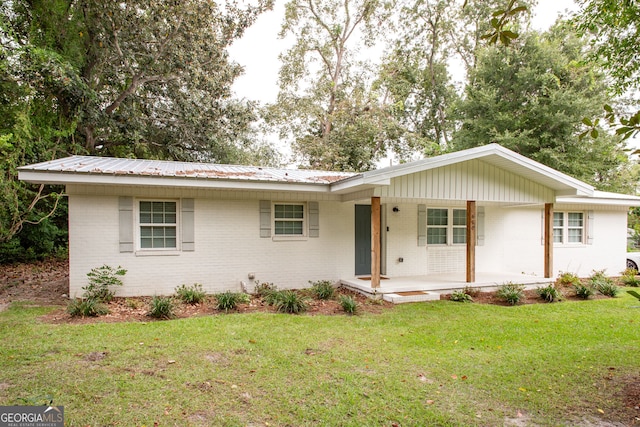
point(227, 245)
point(470, 180)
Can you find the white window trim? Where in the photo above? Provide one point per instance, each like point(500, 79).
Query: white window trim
point(290, 237)
point(449, 226)
point(565, 229)
point(140, 251)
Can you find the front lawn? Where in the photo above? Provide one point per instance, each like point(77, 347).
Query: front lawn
point(440, 363)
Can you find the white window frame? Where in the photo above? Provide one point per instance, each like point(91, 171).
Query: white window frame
point(449, 227)
point(139, 225)
point(565, 228)
point(303, 221)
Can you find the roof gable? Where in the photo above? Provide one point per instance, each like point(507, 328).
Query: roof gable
point(492, 154)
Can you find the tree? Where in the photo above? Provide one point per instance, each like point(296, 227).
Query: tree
point(613, 28)
point(416, 76)
point(531, 97)
point(137, 78)
point(482, 22)
point(327, 102)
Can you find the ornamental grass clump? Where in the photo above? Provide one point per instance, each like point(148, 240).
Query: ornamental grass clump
point(603, 284)
point(322, 289)
point(549, 293)
point(460, 296)
point(290, 302)
point(161, 308)
point(511, 293)
point(583, 291)
point(229, 300)
point(86, 308)
point(193, 294)
point(630, 277)
point(348, 304)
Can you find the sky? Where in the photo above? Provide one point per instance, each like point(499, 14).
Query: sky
point(259, 48)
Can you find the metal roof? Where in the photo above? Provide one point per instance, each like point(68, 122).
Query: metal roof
point(88, 165)
point(108, 170)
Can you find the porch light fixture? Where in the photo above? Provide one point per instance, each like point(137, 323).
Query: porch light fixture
point(395, 209)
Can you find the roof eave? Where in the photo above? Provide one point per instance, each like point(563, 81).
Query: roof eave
point(64, 178)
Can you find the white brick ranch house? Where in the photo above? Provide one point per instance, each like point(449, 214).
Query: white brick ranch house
point(467, 217)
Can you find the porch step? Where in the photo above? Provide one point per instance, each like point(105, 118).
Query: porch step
point(413, 296)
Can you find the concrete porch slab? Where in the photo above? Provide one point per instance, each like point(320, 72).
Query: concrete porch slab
point(441, 283)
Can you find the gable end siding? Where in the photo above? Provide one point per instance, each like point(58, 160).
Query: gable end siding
point(471, 180)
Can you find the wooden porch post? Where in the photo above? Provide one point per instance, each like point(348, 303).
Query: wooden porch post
point(375, 242)
point(471, 241)
point(548, 240)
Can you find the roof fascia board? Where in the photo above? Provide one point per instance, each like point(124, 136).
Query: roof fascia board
point(357, 183)
point(580, 186)
point(597, 201)
point(61, 178)
point(577, 187)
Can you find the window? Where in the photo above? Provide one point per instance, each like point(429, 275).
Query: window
point(437, 220)
point(568, 227)
point(446, 225)
point(288, 219)
point(158, 225)
point(459, 226)
point(558, 227)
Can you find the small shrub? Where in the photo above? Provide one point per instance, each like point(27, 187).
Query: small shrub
point(290, 302)
point(460, 296)
point(348, 304)
point(131, 303)
point(191, 294)
point(511, 293)
point(629, 277)
point(568, 279)
point(264, 289)
point(270, 298)
point(101, 279)
point(161, 308)
point(471, 291)
point(86, 308)
point(550, 293)
point(230, 300)
point(377, 300)
point(583, 291)
point(603, 284)
point(608, 288)
point(322, 289)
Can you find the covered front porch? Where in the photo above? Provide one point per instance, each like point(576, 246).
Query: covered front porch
point(429, 287)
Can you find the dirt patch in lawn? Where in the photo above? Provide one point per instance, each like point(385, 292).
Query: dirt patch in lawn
point(42, 282)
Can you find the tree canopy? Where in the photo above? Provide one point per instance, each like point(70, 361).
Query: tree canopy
point(149, 79)
point(531, 98)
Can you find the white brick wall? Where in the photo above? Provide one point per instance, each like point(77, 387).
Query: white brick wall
point(228, 248)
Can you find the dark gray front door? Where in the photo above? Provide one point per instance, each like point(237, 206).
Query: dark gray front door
point(363, 239)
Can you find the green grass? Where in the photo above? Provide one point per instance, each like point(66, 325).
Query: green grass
point(439, 364)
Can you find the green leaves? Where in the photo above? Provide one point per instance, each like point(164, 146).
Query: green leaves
point(538, 99)
point(500, 21)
